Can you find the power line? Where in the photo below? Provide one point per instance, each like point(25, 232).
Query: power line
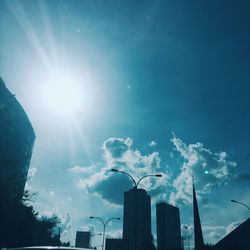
point(241, 162)
point(236, 167)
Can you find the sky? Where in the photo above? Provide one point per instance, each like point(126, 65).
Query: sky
point(142, 86)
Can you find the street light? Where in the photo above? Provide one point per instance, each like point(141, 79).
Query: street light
point(131, 177)
point(135, 187)
point(188, 242)
point(241, 204)
point(104, 223)
point(92, 235)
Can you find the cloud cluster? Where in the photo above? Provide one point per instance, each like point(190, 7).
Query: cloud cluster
point(32, 172)
point(89, 228)
point(232, 226)
point(65, 224)
point(212, 233)
point(120, 154)
point(117, 234)
point(207, 168)
point(152, 144)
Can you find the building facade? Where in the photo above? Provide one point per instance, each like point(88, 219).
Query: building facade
point(16, 144)
point(137, 218)
point(82, 239)
point(116, 244)
point(168, 227)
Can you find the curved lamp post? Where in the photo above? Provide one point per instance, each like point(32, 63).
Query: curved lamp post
point(241, 204)
point(131, 177)
point(104, 223)
point(135, 187)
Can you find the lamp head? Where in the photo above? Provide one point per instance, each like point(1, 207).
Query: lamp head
point(158, 175)
point(91, 217)
point(114, 170)
point(233, 200)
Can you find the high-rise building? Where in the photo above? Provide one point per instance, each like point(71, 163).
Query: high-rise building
point(198, 236)
point(82, 239)
point(137, 218)
point(116, 244)
point(16, 143)
point(168, 227)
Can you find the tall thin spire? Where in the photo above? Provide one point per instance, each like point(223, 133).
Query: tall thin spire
point(198, 237)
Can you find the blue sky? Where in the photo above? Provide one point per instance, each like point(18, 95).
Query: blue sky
point(175, 73)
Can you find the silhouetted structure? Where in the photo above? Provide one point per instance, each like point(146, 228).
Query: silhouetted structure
point(116, 244)
point(198, 236)
point(239, 238)
point(137, 218)
point(82, 239)
point(16, 143)
point(149, 244)
point(168, 227)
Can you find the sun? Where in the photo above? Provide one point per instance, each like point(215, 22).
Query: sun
point(64, 95)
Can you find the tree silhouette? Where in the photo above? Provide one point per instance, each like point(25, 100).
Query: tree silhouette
point(20, 225)
point(43, 232)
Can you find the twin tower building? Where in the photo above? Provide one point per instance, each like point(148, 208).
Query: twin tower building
point(137, 223)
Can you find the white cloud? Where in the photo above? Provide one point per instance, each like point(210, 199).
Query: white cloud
point(119, 153)
point(213, 237)
point(232, 226)
point(214, 233)
point(32, 172)
point(51, 193)
point(115, 234)
point(116, 147)
point(211, 233)
point(28, 187)
point(65, 224)
point(89, 228)
point(82, 170)
point(208, 168)
point(152, 144)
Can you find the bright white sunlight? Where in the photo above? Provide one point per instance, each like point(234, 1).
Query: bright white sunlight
point(64, 95)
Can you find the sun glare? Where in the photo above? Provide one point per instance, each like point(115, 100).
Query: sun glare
point(64, 95)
